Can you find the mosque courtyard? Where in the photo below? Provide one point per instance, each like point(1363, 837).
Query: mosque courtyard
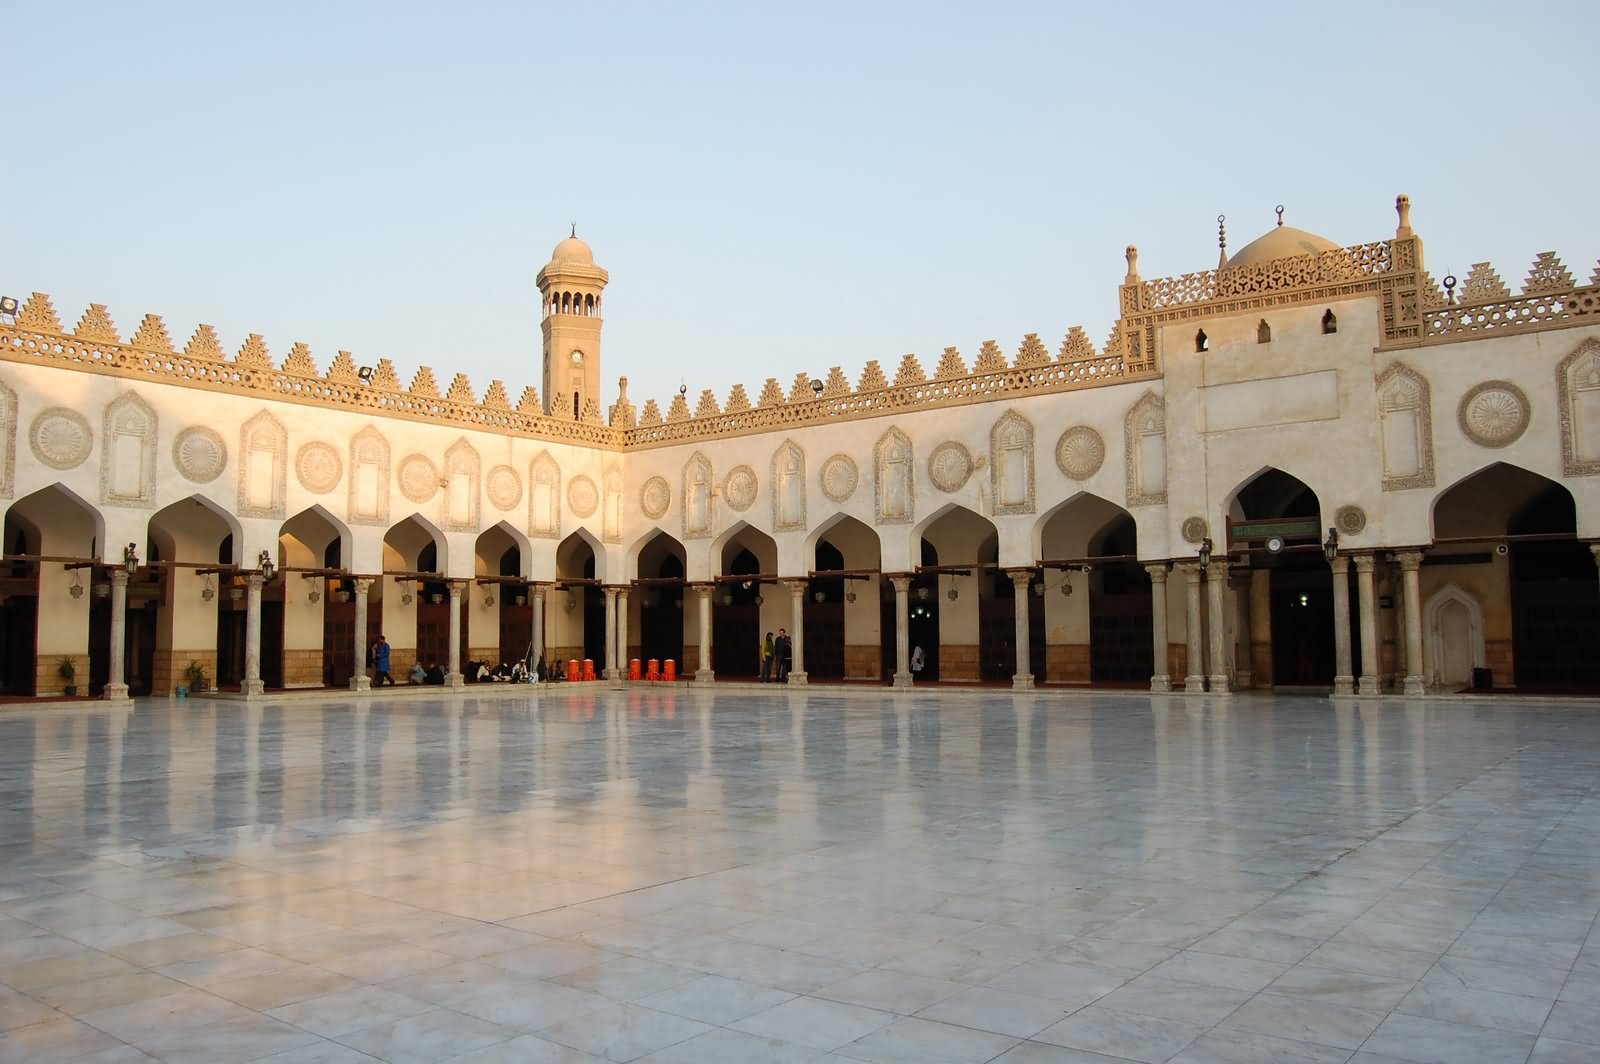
point(818, 874)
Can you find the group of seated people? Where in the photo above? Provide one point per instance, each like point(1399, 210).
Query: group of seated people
point(433, 674)
point(481, 672)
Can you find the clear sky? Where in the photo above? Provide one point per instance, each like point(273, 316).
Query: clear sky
point(774, 188)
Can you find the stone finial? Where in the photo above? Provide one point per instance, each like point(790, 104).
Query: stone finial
point(496, 398)
point(96, 324)
point(1547, 275)
point(384, 376)
point(1077, 346)
point(707, 406)
point(1131, 253)
point(910, 372)
point(423, 384)
point(679, 409)
point(461, 391)
point(835, 384)
point(529, 403)
point(771, 393)
point(1402, 208)
point(1032, 352)
point(1483, 285)
point(951, 364)
point(152, 334)
point(990, 358)
point(1222, 239)
point(622, 412)
point(738, 401)
point(204, 344)
point(800, 391)
point(343, 368)
point(872, 378)
point(651, 414)
point(300, 362)
point(253, 353)
point(622, 389)
point(39, 314)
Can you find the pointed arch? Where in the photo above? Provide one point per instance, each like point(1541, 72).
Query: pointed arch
point(1452, 622)
point(544, 497)
point(744, 535)
point(1405, 428)
point(1486, 501)
point(894, 500)
point(128, 453)
point(1145, 441)
point(838, 522)
point(369, 478)
point(788, 486)
point(1081, 517)
point(1011, 464)
point(263, 463)
point(408, 537)
point(59, 521)
point(581, 536)
point(193, 529)
point(497, 539)
point(304, 527)
point(1272, 492)
point(462, 496)
point(966, 524)
point(654, 539)
point(1578, 388)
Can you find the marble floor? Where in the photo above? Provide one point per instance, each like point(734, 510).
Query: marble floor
point(832, 875)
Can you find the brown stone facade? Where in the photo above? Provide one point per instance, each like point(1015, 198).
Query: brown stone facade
point(958, 661)
point(167, 671)
point(302, 668)
point(863, 661)
point(1067, 663)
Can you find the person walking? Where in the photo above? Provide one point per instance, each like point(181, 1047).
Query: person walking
point(783, 648)
point(767, 650)
point(380, 663)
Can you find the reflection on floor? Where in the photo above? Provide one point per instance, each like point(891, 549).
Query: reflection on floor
point(836, 875)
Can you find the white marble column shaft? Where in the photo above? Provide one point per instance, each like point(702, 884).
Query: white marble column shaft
point(359, 680)
point(1194, 680)
point(1344, 681)
point(454, 678)
point(797, 629)
point(1159, 678)
point(116, 689)
point(1021, 582)
point(1220, 596)
point(252, 684)
point(1411, 580)
point(902, 630)
point(704, 673)
point(1371, 682)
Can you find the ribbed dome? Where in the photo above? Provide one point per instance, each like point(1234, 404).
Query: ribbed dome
point(573, 252)
point(1281, 242)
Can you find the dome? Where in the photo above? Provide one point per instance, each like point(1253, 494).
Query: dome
point(572, 252)
point(1281, 242)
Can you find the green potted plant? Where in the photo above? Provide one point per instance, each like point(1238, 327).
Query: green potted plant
point(67, 669)
point(196, 673)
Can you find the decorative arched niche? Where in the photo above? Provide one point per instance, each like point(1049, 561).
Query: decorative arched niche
point(369, 478)
point(697, 497)
point(1578, 386)
point(128, 457)
point(1145, 438)
point(1453, 633)
point(544, 497)
point(263, 466)
point(1011, 464)
point(789, 488)
point(1405, 428)
point(894, 482)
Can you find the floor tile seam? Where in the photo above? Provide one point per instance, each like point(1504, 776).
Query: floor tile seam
point(1571, 970)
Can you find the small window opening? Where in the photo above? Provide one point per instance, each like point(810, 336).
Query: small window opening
point(1263, 332)
point(577, 398)
point(1200, 341)
point(1330, 324)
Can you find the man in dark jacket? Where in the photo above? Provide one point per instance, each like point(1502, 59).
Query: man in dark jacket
point(785, 654)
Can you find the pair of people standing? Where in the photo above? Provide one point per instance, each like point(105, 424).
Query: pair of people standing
point(777, 657)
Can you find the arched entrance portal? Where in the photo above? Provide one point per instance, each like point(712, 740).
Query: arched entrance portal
point(45, 607)
point(182, 610)
point(1093, 622)
point(1506, 538)
point(414, 611)
point(746, 603)
point(575, 622)
point(844, 606)
point(974, 616)
point(1274, 534)
point(659, 601)
point(307, 627)
point(498, 602)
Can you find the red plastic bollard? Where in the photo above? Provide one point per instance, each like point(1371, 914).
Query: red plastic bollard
point(572, 670)
point(652, 670)
point(669, 670)
point(633, 669)
point(588, 668)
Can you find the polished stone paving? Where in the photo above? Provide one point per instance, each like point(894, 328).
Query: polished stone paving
point(823, 875)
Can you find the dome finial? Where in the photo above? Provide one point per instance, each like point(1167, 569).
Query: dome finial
point(1279, 209)
point(1222, 240)
point(575, 229)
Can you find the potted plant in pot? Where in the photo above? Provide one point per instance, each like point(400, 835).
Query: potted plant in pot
point(67, 669)
point(196, 673)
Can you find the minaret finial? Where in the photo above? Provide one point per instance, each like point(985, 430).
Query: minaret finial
point(1222, 240)
point(1279, 209)
point(575, 229)
point(1131, 253)
point(1402, 206)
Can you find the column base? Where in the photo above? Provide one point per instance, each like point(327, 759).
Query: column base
point(1246, 681)
point(1369, 685)
point(1194, 685)
point(902, 679)
point(704, 676)
point(1344, 685)
point(116, 692)
point(1022, 683)
point(1415, 686)
point(798, 678)
point(1161, 683)
point(1219, 685)
point(455, 680)
point(361, 684)
point(252, 688)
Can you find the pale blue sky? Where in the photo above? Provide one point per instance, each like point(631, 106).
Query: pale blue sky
point(773, 189)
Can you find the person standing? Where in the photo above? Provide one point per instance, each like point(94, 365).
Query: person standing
point(782, 648)
point(767, 650)
point(380, 662)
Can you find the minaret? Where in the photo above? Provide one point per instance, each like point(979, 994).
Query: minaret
point(570, 286)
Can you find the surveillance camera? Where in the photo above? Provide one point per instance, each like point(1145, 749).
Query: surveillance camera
point(1502, 550)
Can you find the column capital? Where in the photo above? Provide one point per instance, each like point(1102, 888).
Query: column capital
point(1021, 578)
point(1157, 571)
point(901, 581)
point(1410, 560)
point(457, 587)
point(363, 584)
point(119, 576)
point(1340, 564)
point(1365, 563)
point(255, 581)
point(797, 585)
point(1594, 548)
point(1190, 570)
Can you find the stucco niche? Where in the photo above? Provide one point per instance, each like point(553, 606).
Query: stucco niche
point(128, 453)
point(894, 479)
point(263, 466)
point(1405, 428)
point(1011, 464)
point(1145, 432)
point(1578, 392)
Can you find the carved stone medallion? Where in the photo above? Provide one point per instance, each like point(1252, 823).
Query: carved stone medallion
point(839, 477)
point(200, 454)
point(1080, 452)
point(1350, 520)
point(419, 480)
point(318, 467)
point(61, 438)
point(504, 487)
point(582, 496)
point(949, 466)
point(741, 488)
point(1194, 529)
point(1494, 414)
point(654, 497)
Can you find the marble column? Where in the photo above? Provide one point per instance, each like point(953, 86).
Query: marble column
point(453, 678)
point(622, 633)
point(704, 674)
point(1411, 578)
point(1344, 682)
point(1367, 601)
point(1022, 679)
point(1195, 680)
point(902, 630)
point(610, 670)
point(1217, 579)
point(252, 684)
point(1159, 679)
point(538, 629)
point(359, 680)
point(116, 689)
point(797, 629)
